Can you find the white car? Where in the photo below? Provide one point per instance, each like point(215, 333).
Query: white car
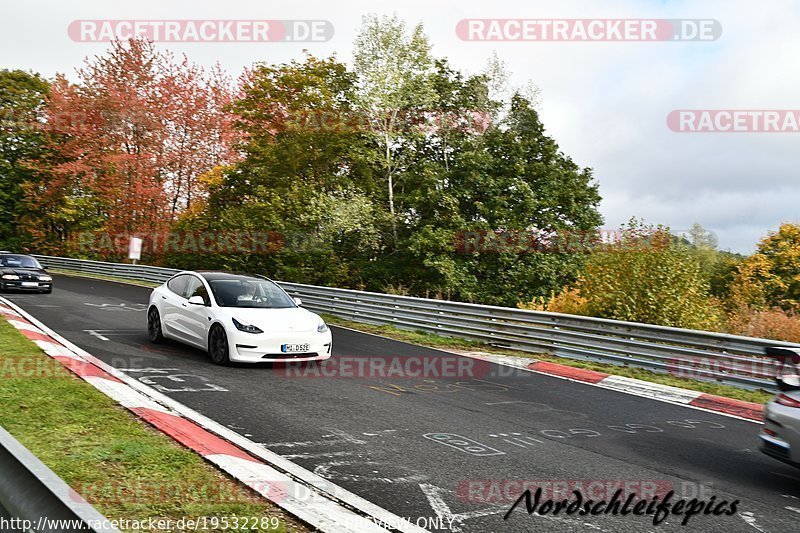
point(780, 435)
point(236, 318)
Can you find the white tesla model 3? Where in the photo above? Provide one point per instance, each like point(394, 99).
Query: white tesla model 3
point(236, 318)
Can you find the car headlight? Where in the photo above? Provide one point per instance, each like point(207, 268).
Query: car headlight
point(45, 278)
point(247, 328)
point(322, 327)
point(10, 276)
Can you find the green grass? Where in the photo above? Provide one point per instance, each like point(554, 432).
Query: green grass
point(124, 467)
point(436, 341)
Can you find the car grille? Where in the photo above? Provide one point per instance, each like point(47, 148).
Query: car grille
point(288, 355)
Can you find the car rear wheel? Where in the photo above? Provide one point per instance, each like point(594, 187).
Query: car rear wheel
point(154, 332)
point(218, 348)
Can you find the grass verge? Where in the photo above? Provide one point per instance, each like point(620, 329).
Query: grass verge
point(444, 343)
point(122, 466)
point(102, 277)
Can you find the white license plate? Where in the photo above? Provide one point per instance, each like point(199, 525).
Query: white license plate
point(30, 284)
point(292, 348)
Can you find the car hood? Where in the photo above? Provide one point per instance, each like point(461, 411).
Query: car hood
point(23, 271)
point(289, 319)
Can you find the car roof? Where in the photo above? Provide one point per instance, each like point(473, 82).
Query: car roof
point(216, 275)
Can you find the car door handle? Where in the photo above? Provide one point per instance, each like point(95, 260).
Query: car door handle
point(163, 297)
point(183, 305)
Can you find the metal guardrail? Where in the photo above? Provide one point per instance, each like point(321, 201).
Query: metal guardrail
point(31, 492)
point(730, 359)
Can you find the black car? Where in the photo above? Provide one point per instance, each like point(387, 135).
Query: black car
point(24, 273)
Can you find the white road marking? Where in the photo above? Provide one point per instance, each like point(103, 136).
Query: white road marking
point(321, 512)
point(317, 455)
point(25, 326)
point(443, 511)
point(793, 509)
point(750, 519)
point(124, 395)
point(328, 471)
point(463, 444)
point(379, 432)
point(55, 350)
point(179, 378)
point(118, 307)
point(342, 438)
point(150, 370)
point(523, 442)
point(93, 333)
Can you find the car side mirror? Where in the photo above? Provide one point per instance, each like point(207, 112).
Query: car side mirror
point(197, 300)
point(298, 302)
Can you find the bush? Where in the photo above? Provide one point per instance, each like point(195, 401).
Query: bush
point(569, 301)
point(646, 276)
point(774, 323)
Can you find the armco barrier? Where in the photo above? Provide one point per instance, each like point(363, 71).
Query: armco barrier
point(730, 359)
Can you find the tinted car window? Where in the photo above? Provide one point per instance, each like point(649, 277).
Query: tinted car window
point(249, 292)
point(19, 261)
point(195, 287)
point(178, 284)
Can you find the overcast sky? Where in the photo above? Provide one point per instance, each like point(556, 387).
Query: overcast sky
point(605, 103)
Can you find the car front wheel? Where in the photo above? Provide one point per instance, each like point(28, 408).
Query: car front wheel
point(218, 348)
point(154, 332)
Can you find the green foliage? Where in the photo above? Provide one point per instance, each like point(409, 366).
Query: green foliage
point(368, 175)
point(22, 138)
point(771, 276)
point(648, 277)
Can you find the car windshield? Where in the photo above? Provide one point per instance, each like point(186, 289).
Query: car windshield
point(249, 292)
point(19, 261)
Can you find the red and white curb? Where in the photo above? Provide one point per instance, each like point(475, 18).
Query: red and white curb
point(309, 497)
point(707, 402)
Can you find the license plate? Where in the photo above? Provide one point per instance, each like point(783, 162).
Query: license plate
point(30, 284)
point(292, 348)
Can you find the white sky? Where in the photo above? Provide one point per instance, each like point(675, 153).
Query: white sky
point(605, 103)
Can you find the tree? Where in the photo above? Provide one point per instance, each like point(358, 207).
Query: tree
point(140, 128)
point(306, 174)
point(394, 68)
point(771, 276)
point(22, 137)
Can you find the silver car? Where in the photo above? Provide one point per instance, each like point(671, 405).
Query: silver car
point(780, 436)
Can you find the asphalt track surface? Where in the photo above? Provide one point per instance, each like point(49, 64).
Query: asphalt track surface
point(400, 442)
